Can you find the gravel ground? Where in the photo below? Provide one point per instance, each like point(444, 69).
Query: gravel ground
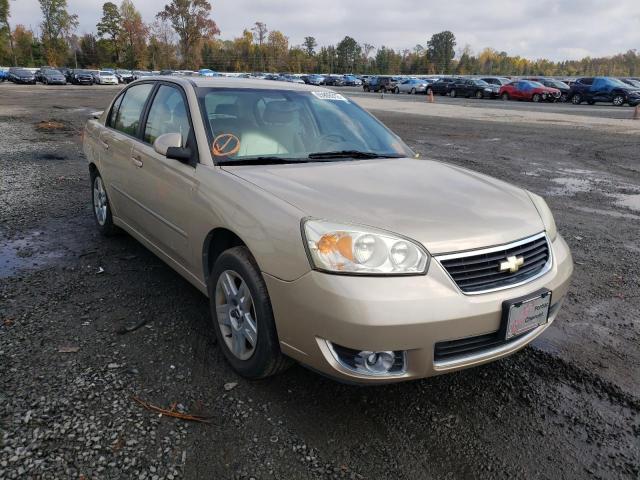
point(87, 324)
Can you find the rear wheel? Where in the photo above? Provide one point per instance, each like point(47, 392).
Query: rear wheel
point(618, 101)
point(505, 96)
point(536, 98)
point(479, 94)
point(243, 317)
point(101, 206)
point(396, 90)
point(576, 99)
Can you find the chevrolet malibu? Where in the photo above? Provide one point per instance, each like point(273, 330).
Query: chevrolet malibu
point(318, 235)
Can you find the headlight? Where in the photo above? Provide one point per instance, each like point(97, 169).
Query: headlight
point(545, 215)
point(354, 249)
point(487, 89)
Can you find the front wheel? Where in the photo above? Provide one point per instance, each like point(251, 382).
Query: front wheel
point(413, 91)
point(396, 90)
point(243, 317)
point(505, 96)
point(618, 101)
point(576, 99)
point(536, 98)
point(479, 94)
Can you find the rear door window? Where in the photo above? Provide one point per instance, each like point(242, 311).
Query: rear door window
point(128, 116)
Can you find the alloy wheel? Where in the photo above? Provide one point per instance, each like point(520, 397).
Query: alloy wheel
point(236, 314)
point(618, 100)
point(100, 203)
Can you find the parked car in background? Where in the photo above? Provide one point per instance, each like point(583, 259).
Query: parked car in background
point(380, 84)
point(82, 77)
point(105, 77)
point(206, 72)
point(499, 81)
point(3, 75)
point(412, 86)
point(472, 87)
point(443, 86)
point(529, 91)
point(21, 75)
point(553, 83)
point(334, 80)
point(124, 76)
point(313, 79)
point(604, 89)
point(352, 81)
point(51, 76)
point(423, 268)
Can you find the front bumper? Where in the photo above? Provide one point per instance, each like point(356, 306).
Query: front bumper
point(409, 314)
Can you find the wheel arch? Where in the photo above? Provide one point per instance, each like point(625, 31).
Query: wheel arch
point(217, 241)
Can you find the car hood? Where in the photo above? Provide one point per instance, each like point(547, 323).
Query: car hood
point(444, 207)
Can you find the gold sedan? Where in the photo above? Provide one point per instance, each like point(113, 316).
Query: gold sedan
point(317, 234)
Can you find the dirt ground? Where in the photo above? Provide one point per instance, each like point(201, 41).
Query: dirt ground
point(88, 323)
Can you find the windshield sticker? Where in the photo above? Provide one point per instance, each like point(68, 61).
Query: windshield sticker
point(329, 96)
point(225, 145)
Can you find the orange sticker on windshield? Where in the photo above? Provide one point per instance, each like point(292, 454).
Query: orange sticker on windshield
point(225, 145)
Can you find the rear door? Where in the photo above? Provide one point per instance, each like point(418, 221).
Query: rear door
point(163, 187)
point(122, 130)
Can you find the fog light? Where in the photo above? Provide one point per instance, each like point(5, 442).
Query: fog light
point(368, 362)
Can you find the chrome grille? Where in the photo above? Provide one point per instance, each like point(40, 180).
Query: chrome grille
point(478, 271)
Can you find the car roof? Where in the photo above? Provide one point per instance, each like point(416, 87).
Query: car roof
point(248, 83)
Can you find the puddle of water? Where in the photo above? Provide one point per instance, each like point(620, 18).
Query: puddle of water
point(25, 253)
point(629, 201)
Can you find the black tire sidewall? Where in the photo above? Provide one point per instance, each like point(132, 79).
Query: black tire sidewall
point(267, 351)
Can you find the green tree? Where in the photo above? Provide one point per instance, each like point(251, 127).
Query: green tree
point(6, 37)
point(57, 24)
point(349, 53)
point(190, 19)
point(441, 50)
point(277, 51)
point(111, 26)
point(310, 45)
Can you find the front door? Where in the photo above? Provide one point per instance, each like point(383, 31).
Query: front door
point(164, 187)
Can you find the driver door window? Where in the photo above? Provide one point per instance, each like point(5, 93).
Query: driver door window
point(168, 114)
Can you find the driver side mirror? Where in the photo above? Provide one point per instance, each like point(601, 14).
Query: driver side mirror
point(170, 146)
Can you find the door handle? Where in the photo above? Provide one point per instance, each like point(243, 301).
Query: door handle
point(104, 144)
point(137, 161)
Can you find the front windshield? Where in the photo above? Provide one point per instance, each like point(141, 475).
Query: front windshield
point(250, 123)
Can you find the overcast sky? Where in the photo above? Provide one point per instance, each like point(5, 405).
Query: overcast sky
point(560, 29)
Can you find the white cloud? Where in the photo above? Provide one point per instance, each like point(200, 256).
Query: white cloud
point(555, 29)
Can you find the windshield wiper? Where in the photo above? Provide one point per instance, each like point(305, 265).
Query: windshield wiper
point(263, 160)
point(357, 154)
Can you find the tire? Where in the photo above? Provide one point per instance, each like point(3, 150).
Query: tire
point(396, 90)
point(505, 96)
point(618, 101)
point(479, 94)
point(453, 93)
point(536, 98)
point(101, 206)
point(237, 267)
point(413, 91)
point(576, 99)
point(563, 98)
point(429, 91)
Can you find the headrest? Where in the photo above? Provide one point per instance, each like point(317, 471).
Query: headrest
point(281, 112)
point(229, 109)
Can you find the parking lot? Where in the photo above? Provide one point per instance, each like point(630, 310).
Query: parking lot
point(88, 323)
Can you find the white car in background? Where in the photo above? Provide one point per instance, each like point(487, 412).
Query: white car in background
point(105, 77)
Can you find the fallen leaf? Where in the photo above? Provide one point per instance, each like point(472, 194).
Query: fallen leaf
point(68, 349)
point(230, 386)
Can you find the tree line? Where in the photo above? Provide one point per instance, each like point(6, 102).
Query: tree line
point(184, 36)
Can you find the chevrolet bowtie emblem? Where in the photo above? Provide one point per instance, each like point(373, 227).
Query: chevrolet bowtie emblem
point(512, 264)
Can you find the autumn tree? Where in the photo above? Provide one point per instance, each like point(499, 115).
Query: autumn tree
point(441, 50)
point(110, 26)
point(23, 43)
point(134, 36)
point(6, 37)
point(190, 19)
point(162, 49)
point(277, 50)
point(57, 24)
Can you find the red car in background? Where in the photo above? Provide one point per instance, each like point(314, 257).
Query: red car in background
point(529, 90)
